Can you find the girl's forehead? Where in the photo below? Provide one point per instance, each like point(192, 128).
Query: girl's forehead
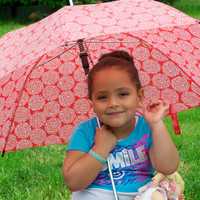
point(112, 72)
point(112, 78)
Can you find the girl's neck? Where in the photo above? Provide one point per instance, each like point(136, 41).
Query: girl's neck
point(124, 131)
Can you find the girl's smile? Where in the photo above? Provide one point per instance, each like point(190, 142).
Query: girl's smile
point(114, 113)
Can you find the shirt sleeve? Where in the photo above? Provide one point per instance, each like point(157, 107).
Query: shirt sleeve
point(80, 140)
point(150, 142)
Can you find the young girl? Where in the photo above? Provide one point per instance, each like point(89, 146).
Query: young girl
point(134, 145)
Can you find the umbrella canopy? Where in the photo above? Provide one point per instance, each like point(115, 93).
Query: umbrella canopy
point(43, 90)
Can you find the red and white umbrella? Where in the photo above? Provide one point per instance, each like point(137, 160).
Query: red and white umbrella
point(43, 90)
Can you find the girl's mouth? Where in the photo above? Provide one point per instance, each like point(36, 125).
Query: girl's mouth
point(114, 113)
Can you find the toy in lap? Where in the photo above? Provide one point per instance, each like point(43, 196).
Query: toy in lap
point(170, 187)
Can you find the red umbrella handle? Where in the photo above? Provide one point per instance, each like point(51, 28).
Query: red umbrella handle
point(175, 123)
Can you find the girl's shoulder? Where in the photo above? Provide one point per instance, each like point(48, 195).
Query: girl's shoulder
point(86, 127)
point(88, 123)
point(141, 122)
point(140, 118)
point(82, 137)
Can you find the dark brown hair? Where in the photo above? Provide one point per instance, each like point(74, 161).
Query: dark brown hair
point(117, 59)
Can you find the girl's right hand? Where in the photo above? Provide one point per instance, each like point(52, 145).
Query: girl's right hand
point(105, 140)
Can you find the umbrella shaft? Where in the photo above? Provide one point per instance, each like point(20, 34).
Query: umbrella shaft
point(112, 180)
point(71, 2)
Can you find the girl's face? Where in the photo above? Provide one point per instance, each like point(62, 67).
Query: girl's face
point(114, 97)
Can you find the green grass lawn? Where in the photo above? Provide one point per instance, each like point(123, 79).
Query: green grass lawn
point(188, 144)
point(6, 26)
point(35, 174)
point(191, 7)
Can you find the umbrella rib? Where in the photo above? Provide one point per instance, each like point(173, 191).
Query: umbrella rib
point(159, 51)
point(56, 56)
point(19, 97)
point(88, 41)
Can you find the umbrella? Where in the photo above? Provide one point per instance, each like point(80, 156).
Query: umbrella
point(43, 90)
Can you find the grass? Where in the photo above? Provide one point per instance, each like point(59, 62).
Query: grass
point(188, 144)
point(35, 174)
point(6, 26)
point(191, 7)
point(31, 174)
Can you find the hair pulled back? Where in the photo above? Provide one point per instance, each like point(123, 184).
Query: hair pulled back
point(116, 59)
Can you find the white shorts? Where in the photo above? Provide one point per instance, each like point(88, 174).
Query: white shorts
point(100, 194)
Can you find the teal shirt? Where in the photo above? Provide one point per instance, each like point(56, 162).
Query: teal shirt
point(130, 163)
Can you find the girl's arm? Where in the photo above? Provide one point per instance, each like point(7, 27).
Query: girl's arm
point(80, 169)
point(163, 153)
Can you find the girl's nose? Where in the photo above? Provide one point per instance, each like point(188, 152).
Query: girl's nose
point(112, 102)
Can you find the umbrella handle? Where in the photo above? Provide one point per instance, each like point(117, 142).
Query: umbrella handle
point(109, 169)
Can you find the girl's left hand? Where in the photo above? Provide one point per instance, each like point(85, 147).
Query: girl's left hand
point(155, 112)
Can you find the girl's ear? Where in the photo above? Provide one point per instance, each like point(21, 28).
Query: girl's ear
point(92, 105)
point(141, 94)
point(141, 97)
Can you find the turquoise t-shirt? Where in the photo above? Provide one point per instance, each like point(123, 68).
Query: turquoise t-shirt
point(130, 163)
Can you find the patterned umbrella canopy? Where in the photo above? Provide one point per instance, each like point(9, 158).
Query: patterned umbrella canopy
point(43, 91)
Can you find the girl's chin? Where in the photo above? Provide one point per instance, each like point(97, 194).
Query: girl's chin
point(115, 122)
point(118, 124)
point(114, 125)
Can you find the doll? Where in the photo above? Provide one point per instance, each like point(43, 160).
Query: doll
point(163, 187)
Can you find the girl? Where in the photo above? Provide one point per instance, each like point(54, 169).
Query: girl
point(135, 145)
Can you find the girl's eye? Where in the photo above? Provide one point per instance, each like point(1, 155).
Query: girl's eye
point(124, 94)
point(101, 98)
